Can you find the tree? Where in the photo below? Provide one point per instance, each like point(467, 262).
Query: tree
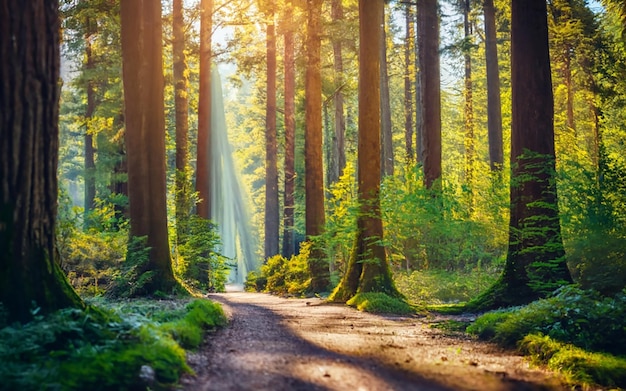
point(313, 160)
point(385, 106)
point(90, 164)
point(494, 105)
point(29, 71)
point(535, 264)
point(203, 161)
point(409, 41)
point(470, 154)
point(145, 136)
point(290, 132)
point(338, 147)
point(428, 34)
point(368, 269)
point(271, 148)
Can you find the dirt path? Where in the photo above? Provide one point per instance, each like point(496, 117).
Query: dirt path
point(303, 344)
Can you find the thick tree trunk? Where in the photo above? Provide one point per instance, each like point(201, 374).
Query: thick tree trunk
point(339, 148)
point(470, 153)
point(29, 140)
point(385, 107)
point(271, 148)
point(90, 163)
point(290, 134)
point(494, 105)
point(181, 104)
point(408, 93)
point(145, 135)
point(535, 264)
point(419, 95)
point(368, 270)
point(203, 151)
point(314, 177)
point(431, 84)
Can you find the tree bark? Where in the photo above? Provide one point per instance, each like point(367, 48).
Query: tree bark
point(385, 106)
point(290, 133)
point(90, 163)
point(339, 148)
point(408, 93)
point(494, 105)
point(181, 104)
point(368, 269)
point(431, 84)
point(314, 179)
point(271, 147)
point(470, 153)
point(203, 151)
point(29, 143)
point(145, 135)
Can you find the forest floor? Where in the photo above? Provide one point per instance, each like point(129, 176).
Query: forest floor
point(277, 344)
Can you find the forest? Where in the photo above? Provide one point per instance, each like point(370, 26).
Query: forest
point(431, 158)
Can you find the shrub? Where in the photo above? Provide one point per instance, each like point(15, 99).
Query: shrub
point(286, 276)
point(379, 303)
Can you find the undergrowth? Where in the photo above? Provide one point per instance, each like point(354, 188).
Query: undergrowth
point(117, 346)
point(380, 303)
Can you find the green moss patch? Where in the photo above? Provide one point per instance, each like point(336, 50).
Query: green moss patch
point(380, 303)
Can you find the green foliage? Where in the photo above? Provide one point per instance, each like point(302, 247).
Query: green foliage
point(283, 276)
point(198, 262)
point(432, 286)
point(255, 282)
point(132, 278)
point(580, 317)
point(578, 365)
point(376, 302)
point(201, 315)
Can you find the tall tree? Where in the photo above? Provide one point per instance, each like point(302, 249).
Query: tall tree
point(29, 143)
point(428, 33)
point(535, 264)
point(368, 269)
point(313, 159)
point(409, 41)
point(203, 161)
point(90, 164)
point(272, 224)
point(339, 149)
point(181, 104)
point(290, 132)
point(145, 135)
point(385, 106)
point(469, 141)
point(494, 105)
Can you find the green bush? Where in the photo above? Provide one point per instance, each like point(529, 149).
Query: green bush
point(282, 276)
point(380, 303)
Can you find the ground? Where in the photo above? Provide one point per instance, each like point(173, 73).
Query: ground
point(277, 344)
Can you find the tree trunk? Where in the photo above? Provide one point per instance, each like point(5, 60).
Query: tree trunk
point(494, 106)
point(90, 163)
point(203, 151)
point(145, 135)
point(408, 94)
point(419, 95)
point(431, 84)
point(569, 86)
point(271, 148)
point(385, 106)
point(535, 264)
point(30, 275)
point(181, 104)
point(339, 148)
point(290, 134)
point(314, 177)
point(470, 153)
point(368, 270)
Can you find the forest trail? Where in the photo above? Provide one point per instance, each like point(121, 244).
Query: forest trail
point(280, 344)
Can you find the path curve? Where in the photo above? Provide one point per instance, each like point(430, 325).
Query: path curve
point(277, 344)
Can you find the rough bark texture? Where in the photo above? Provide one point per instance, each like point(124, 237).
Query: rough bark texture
point(408, 92)
point(290, 134)
point(90, 164)
point(385, 107)
point(419, 95)
point(368, 269)
point(314, 174)
point(271, 148)
point(29, 142)
point(494, 105)
point(431, 87)
point(535, 262)
point(203, 160)
point(339, 148)
point(181, 104)
point(145, 134)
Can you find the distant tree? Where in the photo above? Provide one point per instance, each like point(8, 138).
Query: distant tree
point(90, 164)
point(535, 264)
point(469, 140)
point(409, 42)
point(203, 150)
point(338, 147)
point(30, 275)
point(314, 174)
point(385, 107)
point(145, 136)
point(368, 269)
point(290, 131)
point(428, 35)
point(494, 104)
point(272, 219)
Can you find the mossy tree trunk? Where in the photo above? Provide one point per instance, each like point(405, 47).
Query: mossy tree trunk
point(368, 270)
point(29, 142)
point(535, 264)
point(145, 135)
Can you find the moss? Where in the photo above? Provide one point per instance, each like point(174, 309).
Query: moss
point(380, 303)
